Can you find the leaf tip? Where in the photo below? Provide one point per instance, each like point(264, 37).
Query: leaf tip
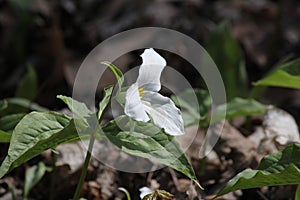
point(198, 184)
point(59, 96)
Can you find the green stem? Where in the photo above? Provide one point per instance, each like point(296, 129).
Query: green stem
point(85, 167)
point(202, 154)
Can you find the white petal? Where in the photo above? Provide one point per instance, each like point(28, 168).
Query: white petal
point(144, 191)
point(150, 70)
point(164, 113)
point(133, 105)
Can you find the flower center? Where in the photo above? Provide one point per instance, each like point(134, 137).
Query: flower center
point(141, 92)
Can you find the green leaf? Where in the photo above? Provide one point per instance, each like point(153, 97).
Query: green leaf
point(279, 168)
point(117, 72)
point(120, 95)
point(148, 141)
point(33, 175)
point(28, 85)
point(239, 107)
point(20, 105)
point(9, 122)
point(286, 75)
point(25, 103)
point(4, 137)
point(37, 132)
point(105, 101)
point(228, 56)
point(78, 108)
point(195, 104)
point(7, 125)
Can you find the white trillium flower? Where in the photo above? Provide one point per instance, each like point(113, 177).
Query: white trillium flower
point(143, 99)
point(145, 191)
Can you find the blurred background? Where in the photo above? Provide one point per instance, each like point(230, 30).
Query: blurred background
point(55, 36)
point(43, 43)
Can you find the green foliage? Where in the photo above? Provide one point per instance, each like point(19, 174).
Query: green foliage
point(286, 75)
point(76, 107)
point(4, 137)
point(39, 131)
point(19, 105)
point(194, 112)
point(30, 138)
point(27, 88)
point(117, 72)
point(9, 122)
point(159, 194)
point(7, 125)
point(197, 112)
point(148, 141)
point(279, 168)
point(228, 56)
point(239, 107)
point(33, 175)
point(105, 101)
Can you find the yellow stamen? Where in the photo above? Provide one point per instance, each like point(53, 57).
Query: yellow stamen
point(141, 92)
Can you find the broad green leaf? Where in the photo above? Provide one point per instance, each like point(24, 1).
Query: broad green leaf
point(239, 107)
point(4, 136)
point(235, 108)
point(195, 104)
point(257, 91)
point(9, 122)
point(27, 88)
point(7, 125)
point(33, 175)
point(78, 108)
point(279, 168)
point(228, 56)
point(105, 101)
point(20, 105)
point(37, 132)
point(148, 141)
point(286, 75)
